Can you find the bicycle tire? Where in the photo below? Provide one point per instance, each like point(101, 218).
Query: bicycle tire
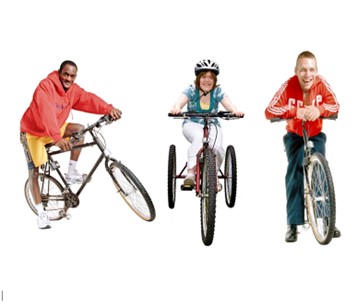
point(52, 197)
point(230, 173)
point(171, 177)
point(208, 196)
point(320, 200)
point(132, 191)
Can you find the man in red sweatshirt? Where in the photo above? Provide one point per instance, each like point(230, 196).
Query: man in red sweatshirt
point(44, 122)
point(304, 97)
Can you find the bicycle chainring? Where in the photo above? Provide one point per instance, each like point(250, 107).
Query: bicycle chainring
point(72, 200)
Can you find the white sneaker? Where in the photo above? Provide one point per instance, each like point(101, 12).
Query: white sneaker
point(75, 177)
point(190, 179)
point(219, 187)
point(42, 221)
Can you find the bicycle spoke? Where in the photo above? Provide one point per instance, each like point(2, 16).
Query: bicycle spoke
point(321, 199)
point(132, 191)
point(52, 197)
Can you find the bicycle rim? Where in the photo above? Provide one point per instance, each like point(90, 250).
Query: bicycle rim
point(52, 197)
point(230, 172)
point(132, 191)
point(321, 204)
point(171, 177)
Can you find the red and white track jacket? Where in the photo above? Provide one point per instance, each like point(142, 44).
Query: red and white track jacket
point(290, 97)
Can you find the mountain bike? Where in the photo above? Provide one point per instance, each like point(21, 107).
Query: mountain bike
point(319, 191)
point(58, 196)
point(206, 176)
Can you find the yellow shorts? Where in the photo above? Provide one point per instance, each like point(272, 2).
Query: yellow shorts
point(34, 148)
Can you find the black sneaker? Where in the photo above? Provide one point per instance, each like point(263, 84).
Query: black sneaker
point(291, 234)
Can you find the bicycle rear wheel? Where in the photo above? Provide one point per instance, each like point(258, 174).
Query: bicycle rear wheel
point(320, 201)
point(52, 196)
point(171, 177)
point(208, 197)
point(230, 173)
point(132, 191)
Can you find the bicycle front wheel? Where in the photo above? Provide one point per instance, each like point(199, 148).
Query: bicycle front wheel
point(230, 173)
point(208, 197)
point(52, 196)
point(320, 199)
point(132, 191)
point(171, 177)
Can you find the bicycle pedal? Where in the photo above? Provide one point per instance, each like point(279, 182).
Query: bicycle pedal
point(187, 187)
point(64, 214)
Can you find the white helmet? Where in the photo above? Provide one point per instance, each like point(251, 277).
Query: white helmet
point(206, 65)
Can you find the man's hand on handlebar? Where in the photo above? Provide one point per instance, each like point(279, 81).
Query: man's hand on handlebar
point(308, 113)
point(115, 114)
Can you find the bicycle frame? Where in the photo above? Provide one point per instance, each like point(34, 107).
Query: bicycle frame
point(205, 141)
point(207, 172)
point(326, 195)
point(105, 153)
point(207, 117)
point(308, 146)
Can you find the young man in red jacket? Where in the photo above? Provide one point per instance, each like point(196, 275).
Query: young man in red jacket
point(44, 122)
point(304, 97)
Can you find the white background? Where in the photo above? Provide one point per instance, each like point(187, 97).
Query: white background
point(139, 56)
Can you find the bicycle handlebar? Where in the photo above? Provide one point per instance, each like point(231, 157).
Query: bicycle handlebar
point(226, 115)
point(332, 117)
point(103, 120)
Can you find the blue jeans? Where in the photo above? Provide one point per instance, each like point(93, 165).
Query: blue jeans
point(294, 179)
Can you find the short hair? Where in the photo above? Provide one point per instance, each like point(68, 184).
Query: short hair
point(67, 62)
point(306, 54)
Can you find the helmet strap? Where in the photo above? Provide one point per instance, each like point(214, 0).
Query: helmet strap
point(206, 92)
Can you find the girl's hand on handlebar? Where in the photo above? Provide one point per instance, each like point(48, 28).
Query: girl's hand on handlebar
point(238, 113)
point(175, 110)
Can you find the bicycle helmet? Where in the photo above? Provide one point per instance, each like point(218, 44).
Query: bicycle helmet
point(206, 65)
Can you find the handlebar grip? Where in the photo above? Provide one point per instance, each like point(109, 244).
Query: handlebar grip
point(332, 117)
point(274, 120)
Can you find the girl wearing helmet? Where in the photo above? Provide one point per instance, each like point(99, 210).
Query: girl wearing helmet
point(203, 96)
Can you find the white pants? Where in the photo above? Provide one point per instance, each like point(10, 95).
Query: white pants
point(193, 132)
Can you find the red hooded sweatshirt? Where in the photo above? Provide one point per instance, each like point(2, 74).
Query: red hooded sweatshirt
point(290, 97)
point(51, 105)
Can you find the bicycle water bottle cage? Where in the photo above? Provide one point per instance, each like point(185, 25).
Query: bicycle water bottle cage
point(54, 165)
point(310, 144)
